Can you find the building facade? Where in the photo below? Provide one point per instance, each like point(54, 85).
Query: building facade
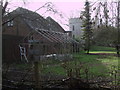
point(28, 34)
point(75, 25)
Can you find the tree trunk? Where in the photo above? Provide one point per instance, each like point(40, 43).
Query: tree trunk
point(36, 75)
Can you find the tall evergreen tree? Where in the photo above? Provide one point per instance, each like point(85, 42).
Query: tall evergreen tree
point(87, 35)
point(118, 27)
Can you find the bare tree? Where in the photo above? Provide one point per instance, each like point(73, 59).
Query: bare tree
point(48, 6)
point(4, 7)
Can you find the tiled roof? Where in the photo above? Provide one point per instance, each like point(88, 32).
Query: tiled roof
point(38, 20)
point(52, 36)
point(54, 25)
point(48, 28)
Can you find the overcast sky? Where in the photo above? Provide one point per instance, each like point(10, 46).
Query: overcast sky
point(68, 8)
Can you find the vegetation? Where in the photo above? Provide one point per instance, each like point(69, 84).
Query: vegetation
point(99, 65)
point(101, 48)
point(105, 36)
point(87, 27)
point(98, 62)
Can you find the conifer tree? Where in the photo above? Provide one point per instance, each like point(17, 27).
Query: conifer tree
point(87, 35)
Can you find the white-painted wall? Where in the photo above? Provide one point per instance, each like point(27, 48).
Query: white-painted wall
point(75, 26)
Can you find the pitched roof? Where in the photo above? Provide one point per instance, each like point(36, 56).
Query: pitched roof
point(54, 25)
point(52, 36)
point(47, 23)
point(48, 28)
point(37, 20)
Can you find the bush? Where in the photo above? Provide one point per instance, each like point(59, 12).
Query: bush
point(105, 36)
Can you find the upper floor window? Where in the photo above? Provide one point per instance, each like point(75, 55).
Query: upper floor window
point(10, 23)
point(73, 28)
point(73, 36)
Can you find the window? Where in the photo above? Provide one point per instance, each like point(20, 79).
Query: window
point(10, 23)
point(73, 36)
point(73, 28)
point(31, 46)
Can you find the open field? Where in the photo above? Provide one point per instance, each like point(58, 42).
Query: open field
point(99, 63)
point(100, 66)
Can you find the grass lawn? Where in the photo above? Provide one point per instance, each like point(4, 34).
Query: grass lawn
point(108, 60)
point(103, 52)
point(101, 48)
point(98, 65)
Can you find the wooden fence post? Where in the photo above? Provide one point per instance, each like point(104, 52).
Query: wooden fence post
point(36, 74)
